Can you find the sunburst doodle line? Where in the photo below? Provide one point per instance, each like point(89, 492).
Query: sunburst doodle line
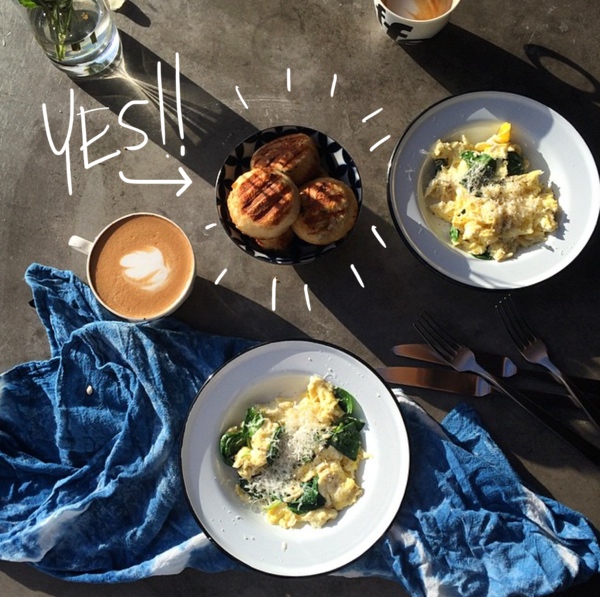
point(274, 294)
point(377, 236)
point(374, 231)
point(220, 276)
point(333, 84)
point(357, 275)
point(380, 142)
point(307, 297)
point(369, 116)
point(237, 90)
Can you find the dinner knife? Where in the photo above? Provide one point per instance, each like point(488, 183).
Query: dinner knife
point(504, 367)
point(467, 384)
point(443, 380)
point(496, 364)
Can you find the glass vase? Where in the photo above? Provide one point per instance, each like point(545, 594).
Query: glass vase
point(80, 37)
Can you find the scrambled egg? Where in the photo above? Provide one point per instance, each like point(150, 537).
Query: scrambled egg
point(494, 206)
point(289, 463)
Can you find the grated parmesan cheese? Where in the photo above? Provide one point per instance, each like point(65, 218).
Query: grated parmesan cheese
point(307, 424)
point(303, 437)
point(493, 214)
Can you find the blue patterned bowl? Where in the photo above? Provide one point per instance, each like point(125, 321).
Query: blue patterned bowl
point(335, 161)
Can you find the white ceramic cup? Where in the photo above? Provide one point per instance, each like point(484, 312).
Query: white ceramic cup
point(412, 21)
point(151, 277)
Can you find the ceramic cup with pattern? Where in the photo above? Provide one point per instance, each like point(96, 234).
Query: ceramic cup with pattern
point(412, 21)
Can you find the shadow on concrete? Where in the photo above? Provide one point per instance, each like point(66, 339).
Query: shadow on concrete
point(474, 64)
point(396, 285)
point(217, 310)
point(209, 129)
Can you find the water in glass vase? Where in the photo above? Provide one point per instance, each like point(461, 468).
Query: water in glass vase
point(92, 44)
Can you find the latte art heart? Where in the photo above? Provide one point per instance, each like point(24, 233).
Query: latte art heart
point(147, 268)
point(142, 267)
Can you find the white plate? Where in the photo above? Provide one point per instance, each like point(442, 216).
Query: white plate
point(549, 142)
point(260, 375)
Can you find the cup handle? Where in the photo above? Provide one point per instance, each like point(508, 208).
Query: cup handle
point(80, 244)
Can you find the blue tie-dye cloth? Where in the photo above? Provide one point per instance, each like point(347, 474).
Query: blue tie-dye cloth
point(90, 488)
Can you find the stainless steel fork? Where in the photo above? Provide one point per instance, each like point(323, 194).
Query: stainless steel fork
point(462, 358)
point(535, 351)
point(459, 357)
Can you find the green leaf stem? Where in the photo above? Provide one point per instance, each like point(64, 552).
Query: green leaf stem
point(60, 17)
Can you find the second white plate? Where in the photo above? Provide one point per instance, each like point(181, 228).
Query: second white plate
point(549, 142)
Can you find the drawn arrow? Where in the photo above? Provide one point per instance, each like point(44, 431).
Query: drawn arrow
point(185, 181)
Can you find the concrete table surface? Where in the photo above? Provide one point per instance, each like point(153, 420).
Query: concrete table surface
point(246, 65)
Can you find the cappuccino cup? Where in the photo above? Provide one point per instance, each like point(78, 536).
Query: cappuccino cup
point(140, 267)
point(412, 21)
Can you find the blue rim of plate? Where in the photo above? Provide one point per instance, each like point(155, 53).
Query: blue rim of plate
point(335, 160)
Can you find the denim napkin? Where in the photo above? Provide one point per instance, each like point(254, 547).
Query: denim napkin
point(90, 488)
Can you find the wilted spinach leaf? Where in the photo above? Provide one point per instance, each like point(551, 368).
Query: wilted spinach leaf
point(310, 499)
point(482, 168)
point(345, 400)
point(346, 436)
point(230, 444)
point(273, 451)
point(252, 422)
point(514, 163)
point(245, 487)
point(439, 163)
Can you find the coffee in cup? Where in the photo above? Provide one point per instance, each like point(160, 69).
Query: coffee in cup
point(140, 266)
point(419, 10)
